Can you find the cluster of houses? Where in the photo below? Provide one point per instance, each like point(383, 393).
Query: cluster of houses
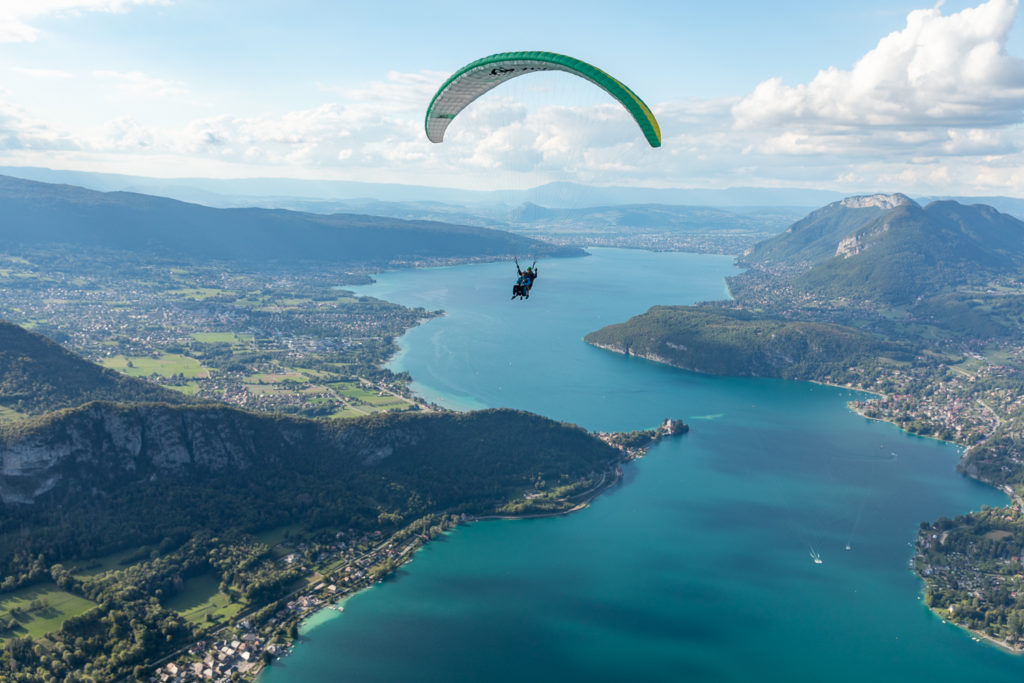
point(245, 651)
point(961, 405)
point(216, 660)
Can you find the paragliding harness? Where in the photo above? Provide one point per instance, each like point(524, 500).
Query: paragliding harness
point(524, 284)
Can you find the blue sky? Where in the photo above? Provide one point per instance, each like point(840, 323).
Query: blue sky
point(894, 96)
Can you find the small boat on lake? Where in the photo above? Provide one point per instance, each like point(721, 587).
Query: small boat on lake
point(816, 556)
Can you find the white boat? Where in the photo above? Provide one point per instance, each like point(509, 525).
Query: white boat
point(847, 547)
point(816, 556)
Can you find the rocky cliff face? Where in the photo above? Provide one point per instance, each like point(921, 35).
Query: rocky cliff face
point(877, 201)
point(859, 241)
point(102, 444)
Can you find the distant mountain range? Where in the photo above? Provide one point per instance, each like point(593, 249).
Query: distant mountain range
point(37, 213)
point(888, 248)
point(273, 191)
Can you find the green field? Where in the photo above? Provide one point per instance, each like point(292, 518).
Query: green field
point(272, 537)
point(364, 401)
point(167, 365)
point(120, 560)
point(9, 414)
point(201, 596)
point(189, 389)
point(233, 338)
point(315, 375)
point(60, 605)
point(197, 293)
point(272, 304)
point(268, 378)
point(11, 273)
point(368, 396)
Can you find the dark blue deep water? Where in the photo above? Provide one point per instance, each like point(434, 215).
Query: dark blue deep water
point(697, 567)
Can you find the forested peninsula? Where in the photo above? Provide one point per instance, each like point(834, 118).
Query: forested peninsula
point(117, 516)
point(721, 341)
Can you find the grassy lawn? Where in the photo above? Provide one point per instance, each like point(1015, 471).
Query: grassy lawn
point(314, 374)
point(365, 401)
point(189, 389)
point(370, 396)
point(998, 356)
point(233, 338)
point(200, 597)
point(268, 378)
point(60, 605)
point(9, 414)
point(86, 568)
point(352, 411)
point(970, 365)
point(12, 273)
point(271, 304)
point(274, 536)
point(197, 293)
point(167, 365)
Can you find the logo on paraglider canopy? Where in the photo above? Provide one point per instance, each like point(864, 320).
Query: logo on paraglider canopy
point(501, 70)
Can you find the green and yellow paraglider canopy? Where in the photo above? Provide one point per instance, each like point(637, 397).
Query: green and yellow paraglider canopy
point(476, 78)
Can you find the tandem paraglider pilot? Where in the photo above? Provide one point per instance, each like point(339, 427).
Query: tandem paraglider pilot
point(524, 284)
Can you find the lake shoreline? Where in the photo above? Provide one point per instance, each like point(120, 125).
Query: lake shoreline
point(681, 530)
point(1013, 499)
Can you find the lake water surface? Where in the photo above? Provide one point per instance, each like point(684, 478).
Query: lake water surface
point(697, 567)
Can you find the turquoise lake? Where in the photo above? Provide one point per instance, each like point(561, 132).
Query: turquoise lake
point(697, 567)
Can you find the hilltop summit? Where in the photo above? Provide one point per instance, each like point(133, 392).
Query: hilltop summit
point(887, 248)
point(877, 201)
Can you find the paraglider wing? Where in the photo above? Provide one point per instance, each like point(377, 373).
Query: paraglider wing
point(476, 78)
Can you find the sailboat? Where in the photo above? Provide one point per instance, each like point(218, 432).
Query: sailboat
point(816, 556)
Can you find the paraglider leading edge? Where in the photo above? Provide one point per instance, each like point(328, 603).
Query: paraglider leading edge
point(476, 78)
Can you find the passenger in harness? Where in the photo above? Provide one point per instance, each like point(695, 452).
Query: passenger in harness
point(524, 284)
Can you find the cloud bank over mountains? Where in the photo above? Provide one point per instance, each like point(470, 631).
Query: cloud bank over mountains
point(935, 106)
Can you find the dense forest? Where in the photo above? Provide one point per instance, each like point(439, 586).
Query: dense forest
point(729, 342)
point(126, 475)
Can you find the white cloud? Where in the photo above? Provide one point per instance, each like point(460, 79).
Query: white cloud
point(934, 108)
point(21, 131)
point(939, 70)
point(16, 15)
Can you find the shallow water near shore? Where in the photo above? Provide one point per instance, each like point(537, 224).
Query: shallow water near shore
point(697, 567)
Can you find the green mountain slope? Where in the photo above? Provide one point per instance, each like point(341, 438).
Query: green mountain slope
point(105, 476)
point(815, 238)
point(910, 252)
point(729, 342)
point(37, 375)
point(886, 248)
point(44, 214)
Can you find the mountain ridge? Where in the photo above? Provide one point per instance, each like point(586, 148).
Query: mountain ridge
point(889, 248)
point(37, 375)
point(46, 214)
